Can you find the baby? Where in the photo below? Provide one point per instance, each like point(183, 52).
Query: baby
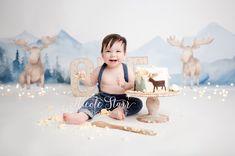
point(113, 79)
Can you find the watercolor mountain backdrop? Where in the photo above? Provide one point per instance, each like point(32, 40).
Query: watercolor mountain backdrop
point(217, 59)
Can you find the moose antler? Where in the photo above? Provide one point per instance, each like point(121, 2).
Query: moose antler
point(22, 43)
point(172, 41)
point(197, 43)
point(46, 40)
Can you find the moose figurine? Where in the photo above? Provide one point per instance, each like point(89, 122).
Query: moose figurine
point(156, 83)
point(34, 70)
point(191, 65)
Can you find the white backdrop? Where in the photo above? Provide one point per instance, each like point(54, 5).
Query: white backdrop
point(138, 20)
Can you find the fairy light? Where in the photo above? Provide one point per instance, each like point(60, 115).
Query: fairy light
point(225, 95)
point(17, 86)
point(201, 93)
point(209, 97)
point(215, 92)
point(231, 84)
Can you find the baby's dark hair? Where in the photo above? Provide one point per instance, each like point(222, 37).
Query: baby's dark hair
point(111, 39)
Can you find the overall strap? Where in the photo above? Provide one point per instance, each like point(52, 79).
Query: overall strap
point(100, 75)
point(125, 70)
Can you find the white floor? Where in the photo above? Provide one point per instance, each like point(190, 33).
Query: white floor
point(201, 124)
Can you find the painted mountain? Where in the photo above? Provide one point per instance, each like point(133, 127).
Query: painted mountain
point(58, 56)
point(222, 49)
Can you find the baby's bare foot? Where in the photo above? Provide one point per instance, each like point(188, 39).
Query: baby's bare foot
point(75, 118)
point(117, 113)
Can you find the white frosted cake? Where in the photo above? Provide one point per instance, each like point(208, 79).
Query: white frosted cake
point(151, 79)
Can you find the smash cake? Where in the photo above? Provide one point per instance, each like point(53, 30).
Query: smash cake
point(152, 80)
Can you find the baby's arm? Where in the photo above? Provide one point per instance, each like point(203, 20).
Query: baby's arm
point(130, 84)
point(89, 80)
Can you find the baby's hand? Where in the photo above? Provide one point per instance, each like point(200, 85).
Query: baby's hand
point(121, 82)
point(80, 75)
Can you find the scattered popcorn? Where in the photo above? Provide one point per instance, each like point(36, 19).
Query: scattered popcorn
point(175, 87)
point(91, 138)
point(61, 126)
point(125, 138)
point(43, 122)
point(104, 112)
point(49, 108)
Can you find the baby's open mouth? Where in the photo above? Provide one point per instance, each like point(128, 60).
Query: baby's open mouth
point(113, 60)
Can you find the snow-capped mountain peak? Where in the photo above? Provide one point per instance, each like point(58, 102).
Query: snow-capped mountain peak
point(28, 37)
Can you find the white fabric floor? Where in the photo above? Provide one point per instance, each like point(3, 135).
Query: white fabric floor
point(201, 124)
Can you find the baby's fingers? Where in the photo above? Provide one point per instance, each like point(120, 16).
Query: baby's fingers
point(80, 75)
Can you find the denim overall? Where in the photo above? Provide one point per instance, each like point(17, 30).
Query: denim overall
point(103, 100)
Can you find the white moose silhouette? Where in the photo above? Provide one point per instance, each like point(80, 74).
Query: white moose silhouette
point(191, 65)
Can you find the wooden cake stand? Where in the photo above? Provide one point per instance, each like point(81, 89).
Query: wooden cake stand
point(152, 104)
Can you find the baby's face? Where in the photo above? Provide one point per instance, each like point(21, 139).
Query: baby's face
point(115, 55)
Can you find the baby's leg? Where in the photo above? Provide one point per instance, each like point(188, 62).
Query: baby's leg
point(134, 106)
point(117, 113)
point(75, 118)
